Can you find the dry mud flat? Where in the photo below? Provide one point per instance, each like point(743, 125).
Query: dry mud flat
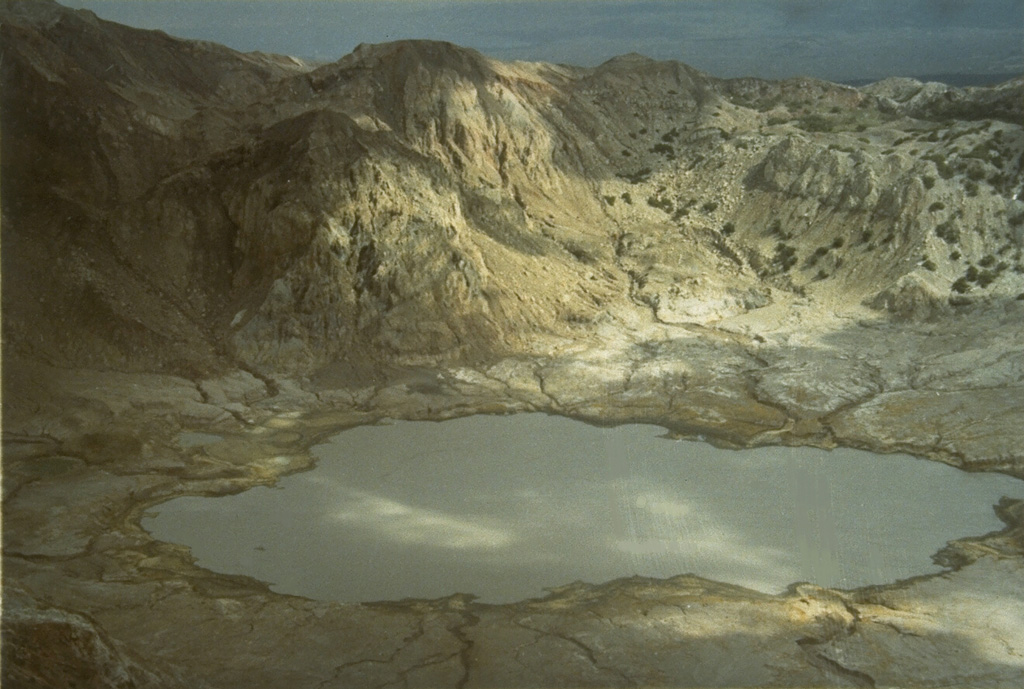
point(92, 599)
point(637, 242)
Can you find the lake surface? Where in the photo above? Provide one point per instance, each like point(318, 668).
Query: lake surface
point(188, 439)
point(506, 506)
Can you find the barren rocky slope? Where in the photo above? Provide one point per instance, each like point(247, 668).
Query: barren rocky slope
point(272, 250)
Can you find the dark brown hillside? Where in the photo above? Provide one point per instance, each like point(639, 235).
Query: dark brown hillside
point(421, 199)
point(215, 262)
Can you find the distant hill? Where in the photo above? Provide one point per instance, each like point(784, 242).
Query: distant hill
point(958, 80)
point(176, 204)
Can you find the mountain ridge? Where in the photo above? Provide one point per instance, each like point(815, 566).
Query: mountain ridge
point(527, 166)
point(208, 271)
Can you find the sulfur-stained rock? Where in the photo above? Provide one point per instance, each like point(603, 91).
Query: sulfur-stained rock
point(214, 261)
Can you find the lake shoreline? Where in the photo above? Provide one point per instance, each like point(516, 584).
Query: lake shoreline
point(111, 569)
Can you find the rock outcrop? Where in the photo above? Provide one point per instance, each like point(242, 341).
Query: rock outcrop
point(267, 250)
point(421, 198)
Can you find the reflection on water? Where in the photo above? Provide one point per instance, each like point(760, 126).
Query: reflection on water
point(503, 507)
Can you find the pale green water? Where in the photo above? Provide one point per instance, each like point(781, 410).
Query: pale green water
point(187, 439)
point(504, 507)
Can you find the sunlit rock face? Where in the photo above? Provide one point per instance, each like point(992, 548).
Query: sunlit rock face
point(265, 251)
point(418, 198)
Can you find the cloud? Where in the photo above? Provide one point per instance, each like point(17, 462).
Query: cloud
point(406, 524)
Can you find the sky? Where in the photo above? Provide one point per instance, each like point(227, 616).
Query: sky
point(831, 39)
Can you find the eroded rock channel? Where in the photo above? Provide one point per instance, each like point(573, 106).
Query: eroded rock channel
point(215, 262)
